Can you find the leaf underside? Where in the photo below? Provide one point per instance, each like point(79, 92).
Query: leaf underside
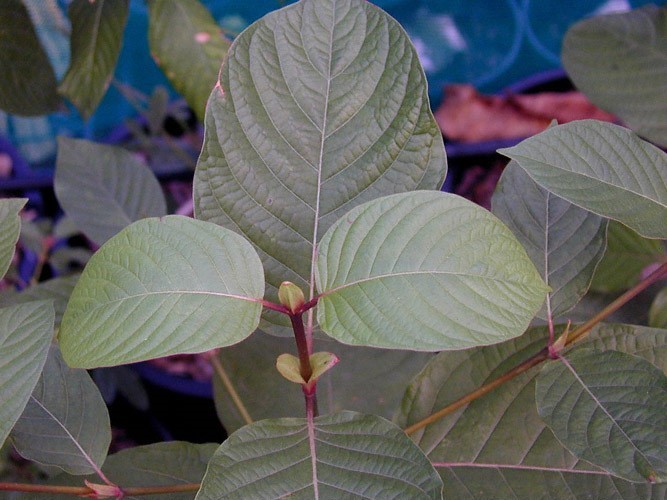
point(414, 270)
point(620, 62)
point(608, 408)
point(65, 423)
point(10, 228)
point(190, 56)
point(603, 168)
point(356, 456)
point(104, 196)
point(320, 106)
point(29, 84)
point(503, 427)
point(626, 256)
point(160, 287)
point(565, 242)
point(96, 39)
point(25, 335)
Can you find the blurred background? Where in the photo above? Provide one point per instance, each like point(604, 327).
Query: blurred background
point(489, 44)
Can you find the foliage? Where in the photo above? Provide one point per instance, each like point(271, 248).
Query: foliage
point(318, 216)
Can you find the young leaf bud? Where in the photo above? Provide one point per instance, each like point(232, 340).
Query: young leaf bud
point(291, 296)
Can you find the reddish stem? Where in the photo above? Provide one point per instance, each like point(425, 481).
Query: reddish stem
point(301, 345)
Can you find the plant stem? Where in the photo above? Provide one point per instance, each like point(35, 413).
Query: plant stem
point(301, 345)
point(485, 389)
point(85, 490)
point(543, 355)
point(229, 386)
point(619, 302)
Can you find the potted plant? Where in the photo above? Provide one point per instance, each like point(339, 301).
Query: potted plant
point(327, 267)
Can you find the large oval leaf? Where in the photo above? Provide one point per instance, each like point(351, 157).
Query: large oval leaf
point(350, 455)
point(251, 367)
point(608, 408)
point(502, 430)
point(320, 106)
point(65, 423)
point(603, 168)
point(10, 228)
point(159, 287)
point(564, 242)
point(620, 62)
point(104, 188)
point(97, 35)
point(191, 55)
point(424, 271)
point(29, 84)
point(25, 335)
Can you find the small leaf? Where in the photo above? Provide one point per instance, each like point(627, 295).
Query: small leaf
point(97, 36)
point(657, 314)
point(57, 290)
point(290, 368)
point(603, 168)
point(620, 62)
point(191, 55)
point(291, 296)
point(321, 106)
point(608, 408)
point(159, 287)
point(65, 423)
point(10, 227)
point(25, 335)
point(104, 188)
point(352, 455)
point(322, 362)
point(251, 367)
point(564, 242)
point(29, 86)
point(414, 270)
point(627, 255)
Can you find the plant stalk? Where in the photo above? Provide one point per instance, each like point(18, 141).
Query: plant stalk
point(301, 345)
point(85, 490)
point(229, 386)
point(543, 355)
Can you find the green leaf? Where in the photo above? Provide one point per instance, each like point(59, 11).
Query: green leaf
point(320, 106)
point(620, 62)
point(172, 463)
point(65, 423)
point(608, 408)
point(512, 483)
point(160, 287)
point(97, 36)
point(503, 427)
point(657, 314)
point(104, 188)
point(191, 55)
point(424, 271)
point(603, 168)
point(349, 455)
point(10, 227)
point(564, 242)
point(57, 290)
point(25, 335)
point(627, 255)
point(251, 367)
point(29, 84)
